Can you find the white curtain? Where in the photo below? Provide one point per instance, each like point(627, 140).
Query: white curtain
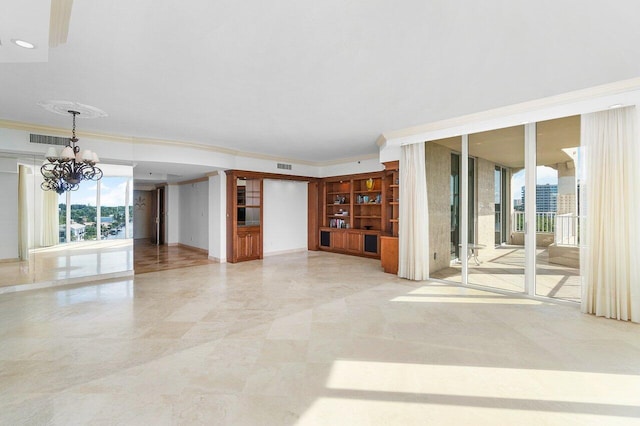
point(609, 256)
point(23, 214)
point(50, 235)
point(413, 257)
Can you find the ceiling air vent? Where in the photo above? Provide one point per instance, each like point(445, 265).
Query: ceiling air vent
point(284, 166)
point(48, 140)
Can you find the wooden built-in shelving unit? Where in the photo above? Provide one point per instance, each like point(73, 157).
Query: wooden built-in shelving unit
point(353, 213)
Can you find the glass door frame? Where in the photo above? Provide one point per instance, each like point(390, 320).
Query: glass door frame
point(501, 172)
point(530, 209)
point(455, 198)
point(530, 161)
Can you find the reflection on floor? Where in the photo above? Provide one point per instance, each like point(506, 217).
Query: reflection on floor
point(308, 338)
point(69, 261)
point(503, 268)
point(150, 257)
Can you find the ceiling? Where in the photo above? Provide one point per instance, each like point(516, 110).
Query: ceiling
point(154, 173)
point(506, 146)
point(309, 80)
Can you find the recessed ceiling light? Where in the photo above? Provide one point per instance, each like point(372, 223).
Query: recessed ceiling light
point(23, 43)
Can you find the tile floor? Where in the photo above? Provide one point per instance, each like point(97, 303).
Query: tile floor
point(150, 257)
point(69, 261)
point(308, 339)
point(93, 258)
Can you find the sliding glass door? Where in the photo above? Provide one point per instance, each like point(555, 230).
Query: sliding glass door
point(557, 200)
point(495, 259)
point(513, 194)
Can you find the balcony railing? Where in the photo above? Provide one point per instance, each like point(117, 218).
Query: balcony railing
point(565, 227)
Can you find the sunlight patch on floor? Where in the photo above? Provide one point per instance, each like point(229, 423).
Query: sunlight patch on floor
point(452, 294)
point(512, 383)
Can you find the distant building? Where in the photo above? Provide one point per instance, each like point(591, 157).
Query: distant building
point(546, 198)
point(518, 205)
point(77, 231)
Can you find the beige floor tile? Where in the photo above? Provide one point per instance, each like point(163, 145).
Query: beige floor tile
point(308, 339)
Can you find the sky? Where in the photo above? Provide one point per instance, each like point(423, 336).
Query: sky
point(544, 175)
point(112, 192)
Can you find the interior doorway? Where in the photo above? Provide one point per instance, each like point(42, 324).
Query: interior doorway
point(157, 213)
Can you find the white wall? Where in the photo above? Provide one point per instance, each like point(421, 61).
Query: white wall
point(172, 214)
point(218, 217)
point(194, 215)
point(285, 216)
point(142, 209)
point(9, 212)
point(352, 167)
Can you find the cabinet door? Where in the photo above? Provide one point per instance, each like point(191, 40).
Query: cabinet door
point(254, 245)
point(243, 246)
point(338, 241)
point(354, 242)
point(247, 244)
point(389, 254)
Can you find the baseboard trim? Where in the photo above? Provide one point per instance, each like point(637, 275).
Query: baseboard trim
point(279, 252)
point(198, 249)
point(218, 259)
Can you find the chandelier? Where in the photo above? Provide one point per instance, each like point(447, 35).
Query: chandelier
point(65, 170)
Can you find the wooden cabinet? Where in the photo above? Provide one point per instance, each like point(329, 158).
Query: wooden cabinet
point(244, 217)
point(389, 254)
point(350, 241)
point(389, 241)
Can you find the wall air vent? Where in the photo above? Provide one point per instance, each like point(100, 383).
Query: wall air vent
point(48, 140)
point(284, 166)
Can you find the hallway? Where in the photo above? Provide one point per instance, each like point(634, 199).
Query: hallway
point(149, 257)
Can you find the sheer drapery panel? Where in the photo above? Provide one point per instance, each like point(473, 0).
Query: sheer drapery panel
point(413, 259)
point(609, 256)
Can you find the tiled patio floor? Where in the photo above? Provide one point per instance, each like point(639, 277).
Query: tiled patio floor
point(503, 268)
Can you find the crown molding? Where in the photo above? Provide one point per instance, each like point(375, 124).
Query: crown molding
point(57, 131)
point(415, 134)
point(197, 180)
point(347, 160)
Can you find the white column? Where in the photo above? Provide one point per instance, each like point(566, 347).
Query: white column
point(172, 211)
point(218, 217)
point(98, 212)
point(127, 202)
point(530, 208)
point(68, 222)
point(464, 208)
